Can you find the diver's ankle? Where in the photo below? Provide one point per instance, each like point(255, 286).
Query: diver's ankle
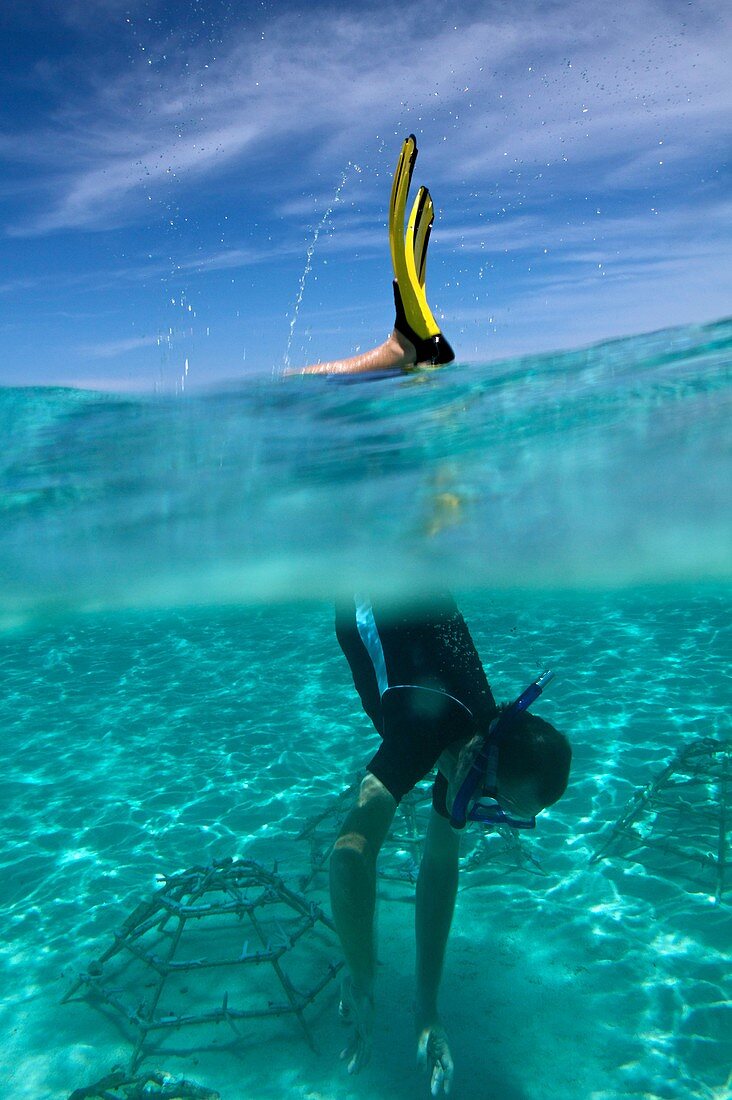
point(402, 348)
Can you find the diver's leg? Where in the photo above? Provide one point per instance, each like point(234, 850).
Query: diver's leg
point(396, 353)
point(416, 336)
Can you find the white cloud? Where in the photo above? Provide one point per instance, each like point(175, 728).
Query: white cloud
point(509, 88)
point(231, 258)
point(111, 349)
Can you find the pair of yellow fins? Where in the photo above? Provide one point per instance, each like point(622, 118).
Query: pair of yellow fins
point(414, 318)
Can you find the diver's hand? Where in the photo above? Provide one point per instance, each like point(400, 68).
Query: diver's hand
point(433, 1054)
point(357, 1008)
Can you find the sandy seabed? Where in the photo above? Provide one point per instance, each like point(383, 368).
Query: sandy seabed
point(595, 982)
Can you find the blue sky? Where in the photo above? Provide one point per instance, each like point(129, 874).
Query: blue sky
point(167, 168)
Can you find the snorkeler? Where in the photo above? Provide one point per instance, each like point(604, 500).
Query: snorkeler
point(421, 682)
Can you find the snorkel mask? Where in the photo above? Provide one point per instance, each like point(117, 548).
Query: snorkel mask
point(484, 768)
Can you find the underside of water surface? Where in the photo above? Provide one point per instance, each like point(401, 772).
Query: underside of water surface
point(582, 470)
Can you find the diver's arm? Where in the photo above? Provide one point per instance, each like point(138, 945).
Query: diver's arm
point(353, 900)
point(436, 892)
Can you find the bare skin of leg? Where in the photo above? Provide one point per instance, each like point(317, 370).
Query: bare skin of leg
point(396, 352)
point(353, 900)
point(435, 903)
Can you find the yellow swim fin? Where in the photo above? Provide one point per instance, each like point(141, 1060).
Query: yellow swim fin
point(414, 318)
point(419, 228)
point(398, 202)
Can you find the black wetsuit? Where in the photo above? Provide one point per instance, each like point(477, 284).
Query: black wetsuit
point(420, 681)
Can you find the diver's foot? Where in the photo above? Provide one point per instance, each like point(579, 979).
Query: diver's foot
point(433, 1054)
point(396, 353)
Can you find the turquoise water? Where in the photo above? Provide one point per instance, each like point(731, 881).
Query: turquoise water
point(173, 693)
point(603, 467)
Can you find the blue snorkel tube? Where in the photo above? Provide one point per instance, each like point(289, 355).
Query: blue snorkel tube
point(488, 752)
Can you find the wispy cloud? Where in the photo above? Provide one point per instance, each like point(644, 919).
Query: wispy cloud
point(227, 259)
point(111, 349)
point(568, 85)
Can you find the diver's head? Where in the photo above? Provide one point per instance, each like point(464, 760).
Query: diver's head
point(533, 763)
point(509, 772)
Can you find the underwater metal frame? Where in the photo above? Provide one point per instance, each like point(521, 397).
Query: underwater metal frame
point(683, 812)
point(240, 892)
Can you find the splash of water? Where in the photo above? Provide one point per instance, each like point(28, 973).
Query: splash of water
point(324, 221)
